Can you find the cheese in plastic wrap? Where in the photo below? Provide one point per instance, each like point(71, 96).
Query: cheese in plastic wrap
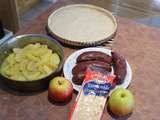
point(91, 100)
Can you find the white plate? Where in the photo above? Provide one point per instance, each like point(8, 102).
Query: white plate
point(71, 61)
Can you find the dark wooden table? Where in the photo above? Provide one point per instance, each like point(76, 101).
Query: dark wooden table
point(138, 43)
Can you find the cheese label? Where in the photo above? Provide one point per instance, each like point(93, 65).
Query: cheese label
point(97, 89)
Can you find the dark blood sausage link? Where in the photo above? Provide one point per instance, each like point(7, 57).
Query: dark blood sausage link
point(82, 66)
point(79, 70)
point(78, 78)
point(94, 55)
point(119, 67)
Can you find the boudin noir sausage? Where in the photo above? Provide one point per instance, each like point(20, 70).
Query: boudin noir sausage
point(119, 67)
point(80, 68)
point(94, 55)
point(78, 78)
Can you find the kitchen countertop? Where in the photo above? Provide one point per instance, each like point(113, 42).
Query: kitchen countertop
point(140, 45)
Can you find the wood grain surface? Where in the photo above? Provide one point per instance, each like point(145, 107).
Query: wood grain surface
point(138, 43)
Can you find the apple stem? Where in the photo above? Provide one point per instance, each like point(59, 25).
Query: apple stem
point(123, 95)
point(59, 82)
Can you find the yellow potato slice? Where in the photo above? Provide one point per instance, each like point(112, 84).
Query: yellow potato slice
point(54, 60)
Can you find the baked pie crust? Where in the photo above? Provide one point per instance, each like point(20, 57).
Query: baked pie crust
point(82, 24)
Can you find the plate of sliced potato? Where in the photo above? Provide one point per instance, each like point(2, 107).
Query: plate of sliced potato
point(29, 62)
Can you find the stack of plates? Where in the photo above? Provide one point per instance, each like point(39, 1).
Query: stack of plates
point(82, 25)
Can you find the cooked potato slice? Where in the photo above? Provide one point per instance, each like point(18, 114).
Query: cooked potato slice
point(54, 60)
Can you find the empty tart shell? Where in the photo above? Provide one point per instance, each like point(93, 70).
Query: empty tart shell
point(82, 25)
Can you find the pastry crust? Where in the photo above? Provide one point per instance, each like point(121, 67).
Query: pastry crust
point(82, 23)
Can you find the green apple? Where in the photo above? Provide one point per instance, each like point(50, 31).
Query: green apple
point(60, 89)
point(121, 102)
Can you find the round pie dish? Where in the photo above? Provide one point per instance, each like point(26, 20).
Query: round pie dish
point(22, 41)
point(82, 25)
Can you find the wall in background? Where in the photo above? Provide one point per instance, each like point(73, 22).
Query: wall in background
point(24, 5)
point(9, 14)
